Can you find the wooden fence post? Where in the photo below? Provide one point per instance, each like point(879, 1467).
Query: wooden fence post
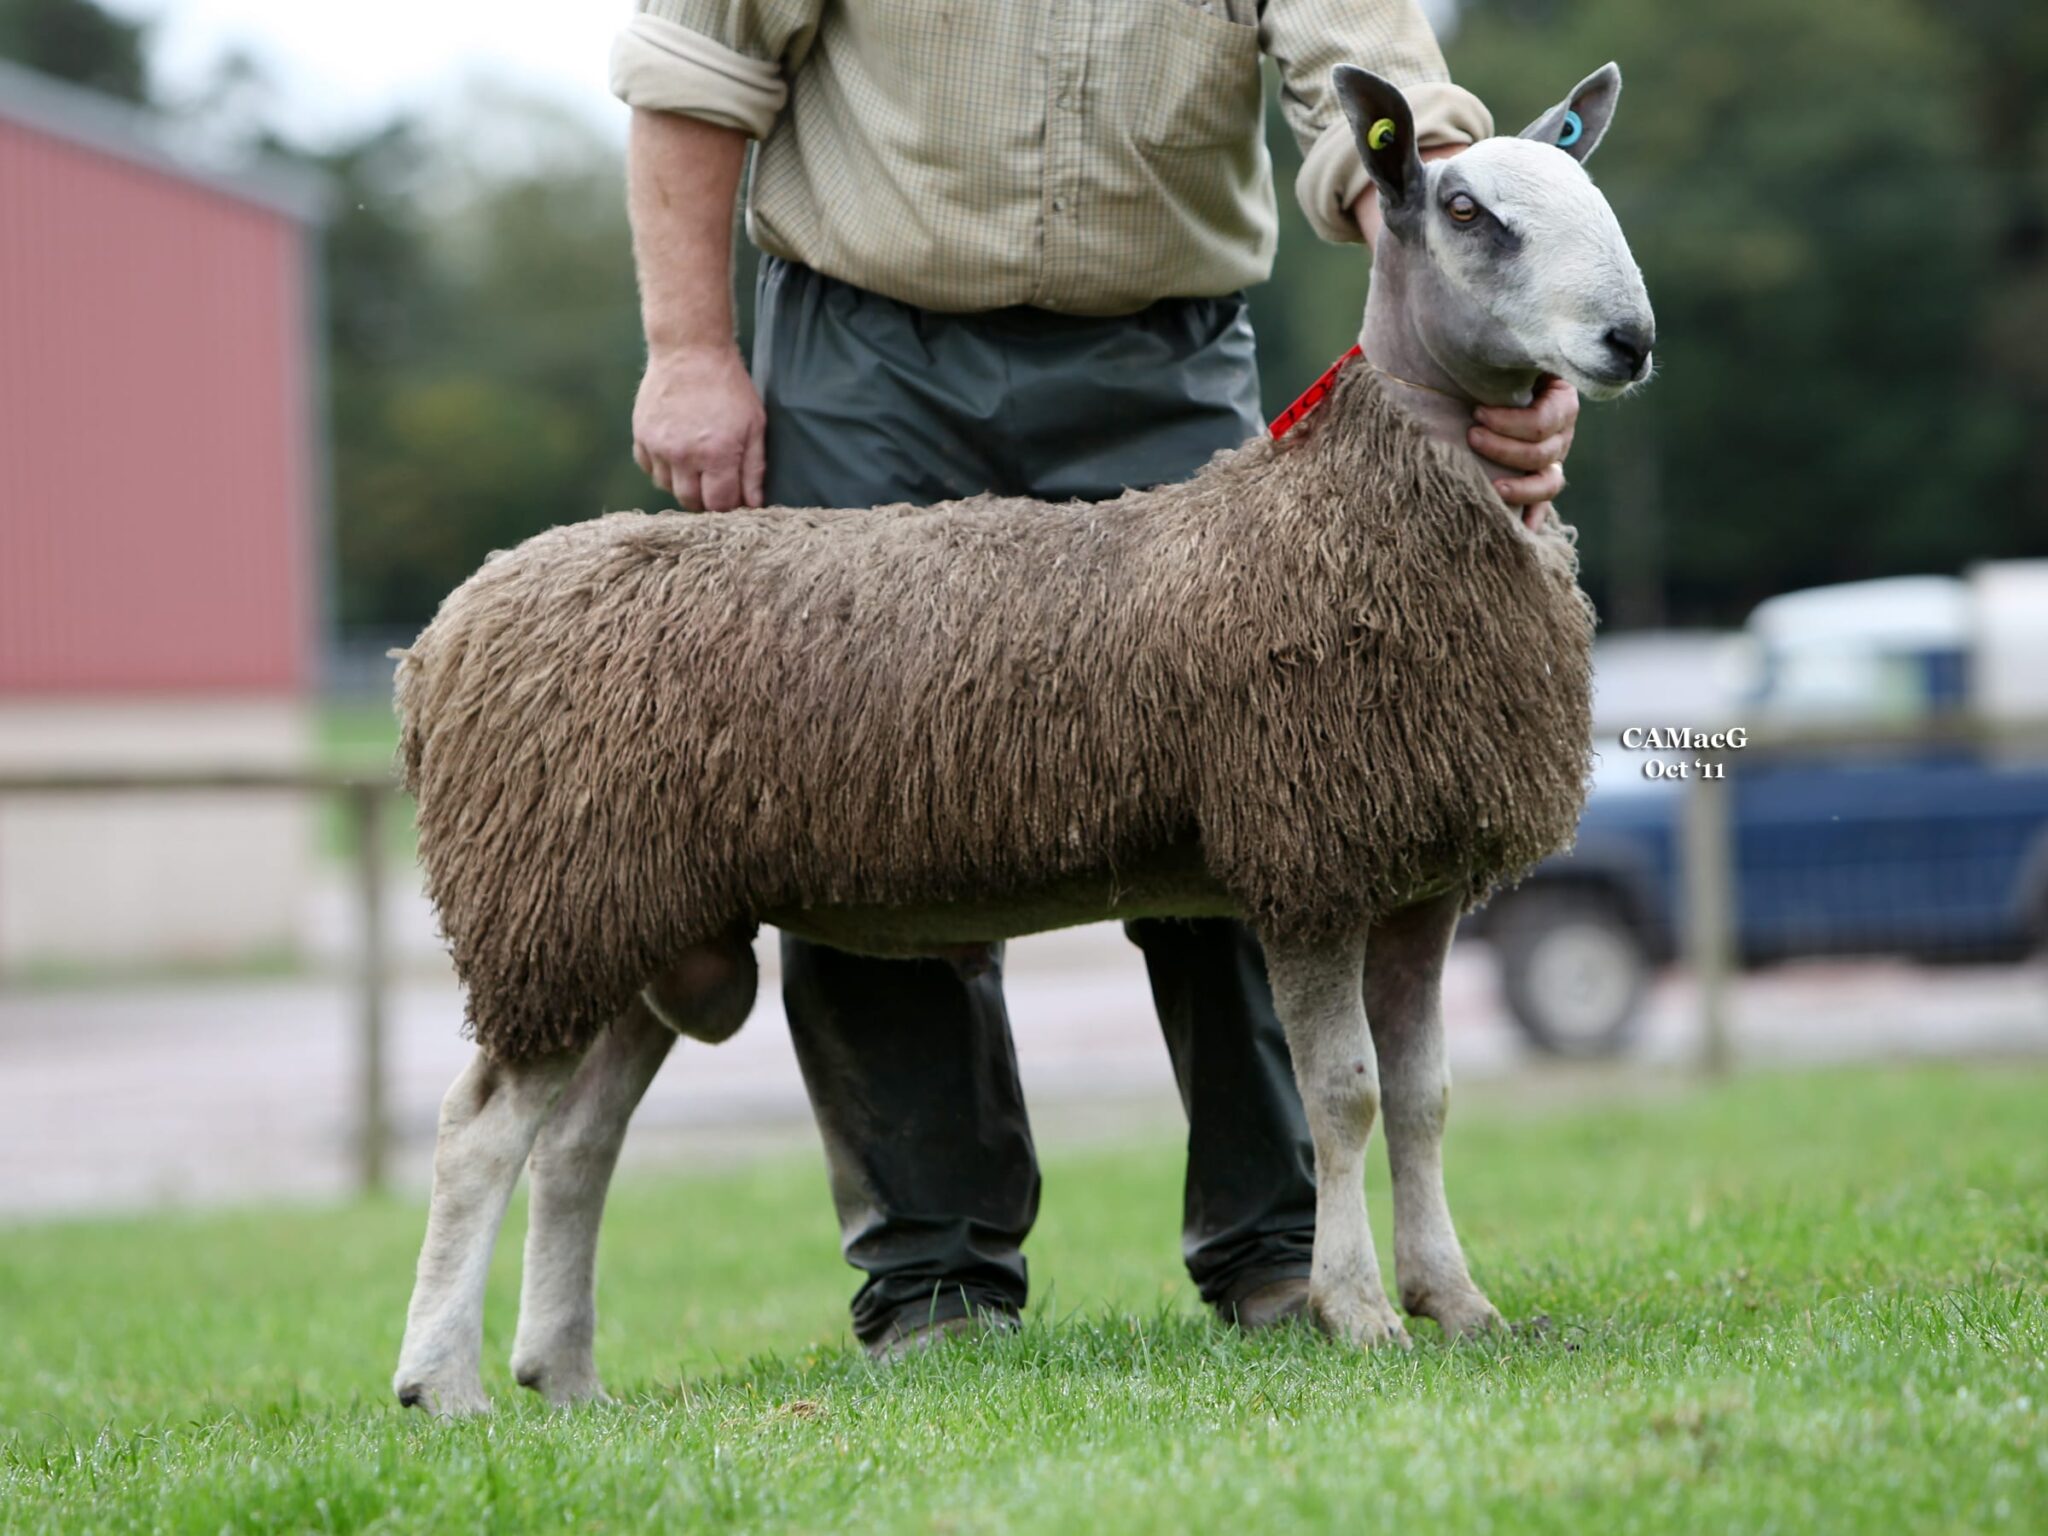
point(1707, 861)
point(372, 1128)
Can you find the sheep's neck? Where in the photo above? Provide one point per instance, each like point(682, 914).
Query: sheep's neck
point(1439, 401)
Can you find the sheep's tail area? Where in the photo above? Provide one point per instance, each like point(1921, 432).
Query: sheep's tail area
point(492, 824)
point(411, 739)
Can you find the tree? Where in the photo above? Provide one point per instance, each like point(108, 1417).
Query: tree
point(77, 41)
point(486, 346)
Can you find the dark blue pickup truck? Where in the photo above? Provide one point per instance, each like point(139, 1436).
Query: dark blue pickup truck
point(1928, 849)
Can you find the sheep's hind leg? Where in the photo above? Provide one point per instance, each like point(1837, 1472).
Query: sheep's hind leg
point(488, 1123)
point(706, 995)
point(1316, 989)
point(1404, 966)
point(569, 1172)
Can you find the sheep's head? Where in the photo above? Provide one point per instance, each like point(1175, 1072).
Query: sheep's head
point(1505, 259)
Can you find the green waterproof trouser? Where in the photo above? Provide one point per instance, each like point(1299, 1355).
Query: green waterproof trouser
point(909, 1063)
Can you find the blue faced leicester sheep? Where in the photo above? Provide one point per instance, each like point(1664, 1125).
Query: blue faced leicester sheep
point(1331, 684)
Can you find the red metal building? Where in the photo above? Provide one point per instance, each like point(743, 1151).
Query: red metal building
point(160, 513)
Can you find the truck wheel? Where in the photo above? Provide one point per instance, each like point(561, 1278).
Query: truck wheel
point(1573, 969)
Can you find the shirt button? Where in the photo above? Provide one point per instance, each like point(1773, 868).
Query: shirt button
point(1059, 205)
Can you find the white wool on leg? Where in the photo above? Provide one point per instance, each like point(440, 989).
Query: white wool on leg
point(569, 1173)
point(488, 1123)
point(1316, 990)
point(1404, 963)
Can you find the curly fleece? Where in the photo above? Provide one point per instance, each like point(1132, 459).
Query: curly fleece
point(1329, 674)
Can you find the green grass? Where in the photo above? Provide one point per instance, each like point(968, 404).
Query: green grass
point(1789, 1304)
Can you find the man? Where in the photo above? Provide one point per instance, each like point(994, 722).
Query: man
point(1005, 248)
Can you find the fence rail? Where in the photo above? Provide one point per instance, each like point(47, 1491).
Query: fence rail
point(368, 797)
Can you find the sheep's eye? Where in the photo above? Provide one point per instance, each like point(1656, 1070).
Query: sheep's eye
point(1462, 208)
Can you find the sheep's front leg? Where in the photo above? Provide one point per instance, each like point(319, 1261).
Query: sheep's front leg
point(1316, 990)
point(569, 1172)
point(1404, 967)
point(488, 1123)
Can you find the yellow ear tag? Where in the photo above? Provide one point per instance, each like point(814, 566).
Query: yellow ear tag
point(1380, 134)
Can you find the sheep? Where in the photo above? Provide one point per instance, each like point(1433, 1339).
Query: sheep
point(1331, 685)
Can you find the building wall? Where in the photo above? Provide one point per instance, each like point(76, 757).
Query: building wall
point(154, 470)
point(156, 527)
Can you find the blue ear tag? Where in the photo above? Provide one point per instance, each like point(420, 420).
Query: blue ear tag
point(1569, 134)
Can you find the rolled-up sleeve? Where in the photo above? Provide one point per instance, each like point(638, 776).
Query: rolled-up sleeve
point(724, 61)
point(1309, 38)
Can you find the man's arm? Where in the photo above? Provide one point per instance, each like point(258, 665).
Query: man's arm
point(698, 426)
point(1306, 39)
point(702, 77)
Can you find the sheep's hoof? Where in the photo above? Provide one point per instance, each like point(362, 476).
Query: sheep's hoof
point(444, 1400)
point(1462, 1313)
point(563, 1385)
point(1358, 1318)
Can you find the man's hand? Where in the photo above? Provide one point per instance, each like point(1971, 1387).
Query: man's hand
point(699, 430)
point(1534, 439)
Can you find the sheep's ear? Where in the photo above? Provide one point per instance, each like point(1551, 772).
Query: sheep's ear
point(1385, 130)
point(1578, 123)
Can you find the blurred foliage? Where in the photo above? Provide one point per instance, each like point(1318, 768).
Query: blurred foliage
point(1841, 208)
point(75, 40)
point(484, 346)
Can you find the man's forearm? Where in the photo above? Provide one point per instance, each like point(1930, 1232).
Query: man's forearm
point(682, 176)
point(698, 425)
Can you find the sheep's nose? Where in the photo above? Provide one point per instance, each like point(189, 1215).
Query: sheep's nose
point(1631, 345)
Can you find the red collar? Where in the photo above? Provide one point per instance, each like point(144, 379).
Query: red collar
point(1313, 395)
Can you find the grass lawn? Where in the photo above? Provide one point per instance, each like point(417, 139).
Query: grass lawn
point(1798, 1303)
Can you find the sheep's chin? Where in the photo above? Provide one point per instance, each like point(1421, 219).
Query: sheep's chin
point(1594, 386)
